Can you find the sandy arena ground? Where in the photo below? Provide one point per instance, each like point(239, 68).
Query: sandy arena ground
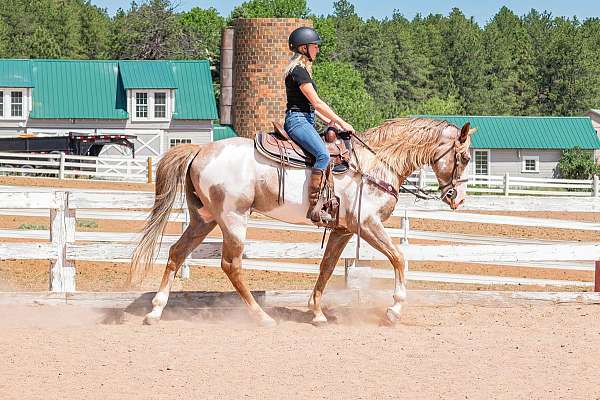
point(462, 352)
point(458, 352)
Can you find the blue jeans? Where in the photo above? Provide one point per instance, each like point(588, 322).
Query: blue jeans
point(300, 127)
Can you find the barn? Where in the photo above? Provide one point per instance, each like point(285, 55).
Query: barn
point(163, 103)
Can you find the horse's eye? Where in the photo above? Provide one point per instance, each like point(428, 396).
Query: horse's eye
point(466, 157)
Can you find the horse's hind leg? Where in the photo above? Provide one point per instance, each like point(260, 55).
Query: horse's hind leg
point(233, 227)
point(191, 238)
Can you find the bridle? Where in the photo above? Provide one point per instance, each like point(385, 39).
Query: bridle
point(449, 189)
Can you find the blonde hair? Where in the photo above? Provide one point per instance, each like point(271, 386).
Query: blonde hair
point(298, 59)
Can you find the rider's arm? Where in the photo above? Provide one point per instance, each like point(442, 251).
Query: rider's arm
point(328, 121)
point(322, 110)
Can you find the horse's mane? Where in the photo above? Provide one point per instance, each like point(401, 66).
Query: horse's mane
point(404, 144)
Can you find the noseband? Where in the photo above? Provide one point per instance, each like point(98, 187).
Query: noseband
point(449, 189)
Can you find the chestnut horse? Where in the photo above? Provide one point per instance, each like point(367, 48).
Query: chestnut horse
point(225, 181)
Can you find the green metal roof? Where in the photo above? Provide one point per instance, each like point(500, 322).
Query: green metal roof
point(83, 89)
point(221, 132)
point(507, 132)
point(77, 89)
point(15, 73)
point(151, 74)
point(194, 98)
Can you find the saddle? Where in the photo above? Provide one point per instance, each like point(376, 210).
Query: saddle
point(279, 147)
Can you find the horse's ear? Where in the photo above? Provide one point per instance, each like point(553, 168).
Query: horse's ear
point(464, 132)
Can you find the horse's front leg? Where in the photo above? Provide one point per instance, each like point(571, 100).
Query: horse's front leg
point(338, 239)
point(374, 233)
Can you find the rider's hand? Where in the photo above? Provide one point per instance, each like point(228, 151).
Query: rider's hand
point(346, 127)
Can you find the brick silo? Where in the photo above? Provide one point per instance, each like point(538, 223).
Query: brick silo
point(260, 55)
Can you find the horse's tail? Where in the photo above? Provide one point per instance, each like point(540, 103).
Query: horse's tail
point(170, 177)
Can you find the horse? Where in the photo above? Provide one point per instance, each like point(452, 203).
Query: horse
point(225, 181)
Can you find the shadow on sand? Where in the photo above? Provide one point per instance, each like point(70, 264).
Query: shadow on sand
point(226, 306)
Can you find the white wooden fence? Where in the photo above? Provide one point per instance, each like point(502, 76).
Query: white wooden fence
point(63, 166)
point(63, 247)
point(143, 170)
point(517, 185)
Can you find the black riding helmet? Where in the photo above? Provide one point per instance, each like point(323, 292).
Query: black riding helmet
point(303, 35)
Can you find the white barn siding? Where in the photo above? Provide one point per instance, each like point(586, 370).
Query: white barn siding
point(511, 161)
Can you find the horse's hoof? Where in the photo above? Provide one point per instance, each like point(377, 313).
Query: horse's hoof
point(319, 321)
point(391, 317)
point(267, 322)
point(151, 320)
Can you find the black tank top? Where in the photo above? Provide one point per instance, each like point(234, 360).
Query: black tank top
point(296, 100)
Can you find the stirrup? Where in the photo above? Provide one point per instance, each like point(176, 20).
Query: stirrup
point(341, 167)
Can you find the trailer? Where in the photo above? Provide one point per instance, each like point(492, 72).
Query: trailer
point(76, 144)
point(73, 144)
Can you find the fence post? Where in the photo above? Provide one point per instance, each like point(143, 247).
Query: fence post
point(149, 170)
point(506, 184)
point(404, 240)
point(596, 186)
point(61, 166)
point(184, 272)
point(597, 277)
point(62, 232)
point(422, 177)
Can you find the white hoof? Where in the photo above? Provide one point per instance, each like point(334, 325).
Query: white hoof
point(267, 322)
point(391, 316)
point(151, 319)
point(319, 320)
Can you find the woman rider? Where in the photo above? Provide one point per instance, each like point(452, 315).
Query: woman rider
point(302, 105)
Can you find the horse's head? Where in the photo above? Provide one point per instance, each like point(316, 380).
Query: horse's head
point(450, 164)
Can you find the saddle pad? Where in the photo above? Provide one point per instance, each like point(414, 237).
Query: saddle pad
point(273, 148)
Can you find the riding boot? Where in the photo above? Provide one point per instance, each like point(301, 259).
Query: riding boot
point(315, 185)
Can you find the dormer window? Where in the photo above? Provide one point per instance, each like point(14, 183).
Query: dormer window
point(141, 105)
point(151, 105)
point(13, 103)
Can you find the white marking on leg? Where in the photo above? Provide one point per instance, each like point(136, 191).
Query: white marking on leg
point(394, 311)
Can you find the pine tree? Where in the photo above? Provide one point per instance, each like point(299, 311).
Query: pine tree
point(463, 47)
point(149, 32)
point(510, 70)
point(271, 9)
point(94, 26)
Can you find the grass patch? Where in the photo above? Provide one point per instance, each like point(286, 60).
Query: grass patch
point(33, 227)
point(87, 223)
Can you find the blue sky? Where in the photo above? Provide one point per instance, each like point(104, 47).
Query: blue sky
point(482, 10)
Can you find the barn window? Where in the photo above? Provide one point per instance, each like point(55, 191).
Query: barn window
point(482, 162)
point(16, 104)
point(160, 105)
point(13, 103)
point(176, 141)
point(152, 105)
point(531, 164)
point(141, 105)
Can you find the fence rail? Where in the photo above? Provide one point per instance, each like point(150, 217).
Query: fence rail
point(63, 247)
point(143, 170)
point(517, 185)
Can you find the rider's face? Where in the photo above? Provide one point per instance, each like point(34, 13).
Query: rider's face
point(313, 50)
